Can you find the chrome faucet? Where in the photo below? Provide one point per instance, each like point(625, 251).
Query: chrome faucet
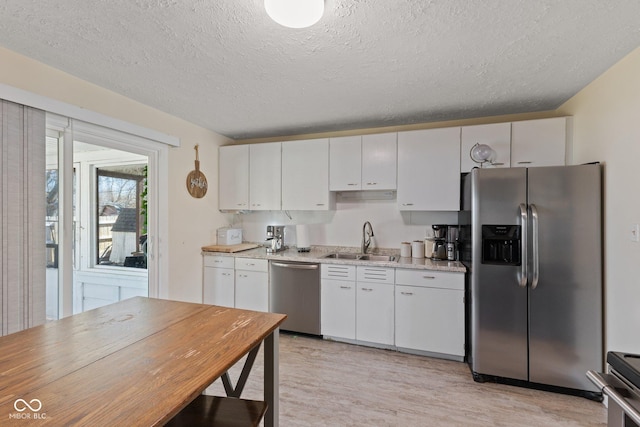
point(366, 237)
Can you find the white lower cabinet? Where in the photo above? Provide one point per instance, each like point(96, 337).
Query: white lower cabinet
point(338, 301)
point(252, 284)
point(374, 305)
point(430, 312)
point(218, 281)
point(236, 282)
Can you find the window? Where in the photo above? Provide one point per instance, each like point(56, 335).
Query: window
point(121, 216)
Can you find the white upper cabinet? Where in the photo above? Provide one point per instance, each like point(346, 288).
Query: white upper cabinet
point(363, 162)
point(233, 177)
point(265, 176)
point(379, 161)
point(497, 136)
point(539, 142)
point(345, 163)
point(429, 170)
point(305, 175)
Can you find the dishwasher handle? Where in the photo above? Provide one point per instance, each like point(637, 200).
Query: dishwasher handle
point(296, 266)
point(610, 390)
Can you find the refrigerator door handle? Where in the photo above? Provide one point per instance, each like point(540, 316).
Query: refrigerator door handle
point(522, 280)
point(535, 268)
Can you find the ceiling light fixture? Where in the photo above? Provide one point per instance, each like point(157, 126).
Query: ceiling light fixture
point(295, 13)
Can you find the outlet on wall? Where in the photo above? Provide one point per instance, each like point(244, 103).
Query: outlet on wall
point(634, 235)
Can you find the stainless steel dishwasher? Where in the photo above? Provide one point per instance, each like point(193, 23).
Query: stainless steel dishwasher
point(295, 291)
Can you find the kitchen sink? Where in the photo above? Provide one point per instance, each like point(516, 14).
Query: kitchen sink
point(361, 257)
point(386, 258)
point(343, 256)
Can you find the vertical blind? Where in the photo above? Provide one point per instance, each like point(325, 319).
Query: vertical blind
point(22, 213)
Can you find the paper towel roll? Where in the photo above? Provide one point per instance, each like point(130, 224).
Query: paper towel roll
point(302, 238)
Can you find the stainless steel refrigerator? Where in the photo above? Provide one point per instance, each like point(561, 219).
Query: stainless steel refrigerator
point(535, 275)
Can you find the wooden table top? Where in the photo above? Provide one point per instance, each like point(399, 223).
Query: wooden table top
point(136, 362)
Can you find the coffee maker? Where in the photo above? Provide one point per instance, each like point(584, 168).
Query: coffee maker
point(275, 238)
point(439, 242)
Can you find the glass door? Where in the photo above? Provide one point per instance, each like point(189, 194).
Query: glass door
point(101, 213)
point(111, 231)
point(52, 225)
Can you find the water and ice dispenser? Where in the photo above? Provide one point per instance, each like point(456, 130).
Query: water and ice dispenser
point(501, 244)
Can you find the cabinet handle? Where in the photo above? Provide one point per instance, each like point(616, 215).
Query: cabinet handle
point(250, 264)
point(524, 163)
point(497, 164)
point(226, 274)
point(352, 184)
point(367, 289)
point(240, 204)
point(406, 293)
point(256, 204)
point(407, 204)
point(319, 204)
point(345, 287)
point(428, 277)
point(372, 183)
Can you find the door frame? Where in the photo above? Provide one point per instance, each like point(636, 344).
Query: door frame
point(158, 166)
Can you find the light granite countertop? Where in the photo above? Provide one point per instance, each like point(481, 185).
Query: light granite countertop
point(318, 253)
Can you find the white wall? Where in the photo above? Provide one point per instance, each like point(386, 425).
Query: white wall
point(191, 221)
point(343, 227)
point(607, 129)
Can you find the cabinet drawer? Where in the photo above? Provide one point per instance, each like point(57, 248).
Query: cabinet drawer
point(375, 274)
point(218, 261)
point(430, 279)
point(338, 272)
point(252, 264)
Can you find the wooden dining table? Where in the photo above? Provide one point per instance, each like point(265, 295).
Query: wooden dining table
point(137, 362)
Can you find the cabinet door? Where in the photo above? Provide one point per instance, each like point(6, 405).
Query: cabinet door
point(379, 161)
point(345, 159)
point(252, 290)
point(218, 287)
point(265, 176)
point(429, 170)
point(539, 142)
point(305, 175)
point(496, 136)
point(338, 307)
point(375, 313)
point(233, 177)
point(430, 319)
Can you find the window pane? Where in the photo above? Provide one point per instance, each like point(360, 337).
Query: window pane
point(51, 228)
point(121, 234)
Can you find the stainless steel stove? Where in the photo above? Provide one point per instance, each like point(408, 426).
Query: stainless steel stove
point(622, 386)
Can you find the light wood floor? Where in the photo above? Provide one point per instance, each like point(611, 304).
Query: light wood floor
point(324, 383)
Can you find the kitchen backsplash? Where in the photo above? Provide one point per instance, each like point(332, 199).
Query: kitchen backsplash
point(343, 226)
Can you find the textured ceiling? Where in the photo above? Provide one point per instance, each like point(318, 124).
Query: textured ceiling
point(224, 65)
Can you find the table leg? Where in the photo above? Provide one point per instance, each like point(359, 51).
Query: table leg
point(271, 380)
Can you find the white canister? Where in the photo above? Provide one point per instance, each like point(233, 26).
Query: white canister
point(405, 250)
point(417, 249)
